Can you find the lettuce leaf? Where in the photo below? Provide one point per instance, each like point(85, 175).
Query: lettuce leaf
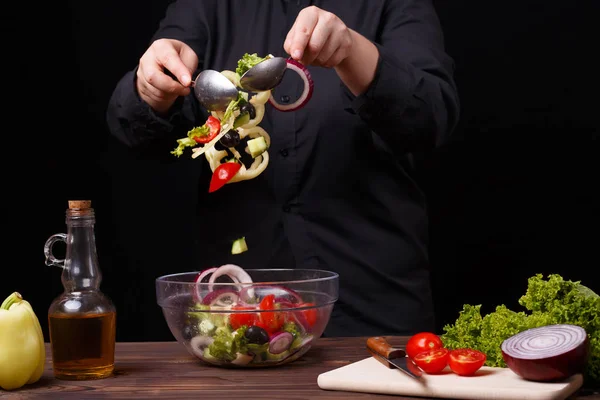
point(248, 61)
point(228, 343)
point(546, 302)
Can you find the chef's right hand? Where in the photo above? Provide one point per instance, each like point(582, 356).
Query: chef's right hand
point(157, 88)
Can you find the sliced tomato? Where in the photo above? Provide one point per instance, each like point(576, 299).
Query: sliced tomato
point(422, 341)
point(466, 362)
point(432, 361)
point(237, 320)
point(214, 127)
point(309, 314)
point(270, 321)
point(223, 174)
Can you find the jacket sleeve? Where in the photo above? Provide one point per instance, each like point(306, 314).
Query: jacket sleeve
point(129, 118)
point(412, 103)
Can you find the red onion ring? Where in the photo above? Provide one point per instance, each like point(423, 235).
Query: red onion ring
point(306, 92)
point(199, 343)
point(205, 273)
point(199, 293)
point(235, 272)
point(282, 293)
point(297, 316)
point(220, 298)
point(201, 275)
point(547, 353)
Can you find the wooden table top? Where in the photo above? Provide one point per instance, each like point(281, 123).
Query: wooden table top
point(166, 370)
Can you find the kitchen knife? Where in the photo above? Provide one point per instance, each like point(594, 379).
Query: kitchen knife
point(392, 357)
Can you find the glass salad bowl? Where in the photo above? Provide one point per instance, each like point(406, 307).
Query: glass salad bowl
point(231, 317)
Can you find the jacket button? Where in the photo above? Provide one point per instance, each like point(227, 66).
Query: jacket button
point(286, 208)
point(285, 98)
point(284, 152)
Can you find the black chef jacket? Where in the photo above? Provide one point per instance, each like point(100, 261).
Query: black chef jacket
point(338, 193)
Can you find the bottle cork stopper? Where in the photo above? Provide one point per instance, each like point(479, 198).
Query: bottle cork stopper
point(79, 204)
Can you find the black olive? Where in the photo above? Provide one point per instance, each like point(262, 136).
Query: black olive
point(249, 108)
point(245, 158)
point(256, 334)
point(188, 332)
point(230, 139)
point(219, 146)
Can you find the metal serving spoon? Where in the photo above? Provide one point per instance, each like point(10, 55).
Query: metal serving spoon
point(265, 75)
point(213, 90)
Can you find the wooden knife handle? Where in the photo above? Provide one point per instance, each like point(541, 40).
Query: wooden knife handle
point(381, 346)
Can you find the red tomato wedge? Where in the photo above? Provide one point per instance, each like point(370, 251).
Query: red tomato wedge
point(432, 361)
point(422, 341)
point(214, 126)
point(309, 314)
point(237, 320)
point(270, 321)
point(223, 174)
point(466, 362)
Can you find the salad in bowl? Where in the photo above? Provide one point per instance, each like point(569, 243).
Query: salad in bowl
point(231, 317)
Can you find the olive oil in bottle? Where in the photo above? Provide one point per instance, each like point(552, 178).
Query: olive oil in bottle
point(82, 320)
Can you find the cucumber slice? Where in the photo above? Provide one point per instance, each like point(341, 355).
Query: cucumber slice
point(257, 146)
point(241, 119)
point(239, 246)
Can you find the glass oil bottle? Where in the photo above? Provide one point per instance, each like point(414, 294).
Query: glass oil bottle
point(82, 320)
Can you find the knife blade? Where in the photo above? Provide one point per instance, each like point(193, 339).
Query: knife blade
point(393, 357)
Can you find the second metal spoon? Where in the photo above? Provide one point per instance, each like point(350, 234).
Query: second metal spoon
point(265, 75)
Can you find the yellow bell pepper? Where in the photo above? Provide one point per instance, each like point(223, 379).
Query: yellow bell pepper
point(22, 351)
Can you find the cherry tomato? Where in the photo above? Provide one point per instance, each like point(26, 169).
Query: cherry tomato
point(309, 314)
point(214, 126)
point(271, 321)
point(223, 174)
point(423, 341)
point(466, 362)
point(432, 361)
point(237, 320)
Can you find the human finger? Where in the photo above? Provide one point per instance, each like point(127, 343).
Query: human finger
point(320, 39)
point(151, 73)
point(340, 53)
point(303, 29)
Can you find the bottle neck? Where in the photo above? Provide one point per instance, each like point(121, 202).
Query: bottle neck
point(81, 270)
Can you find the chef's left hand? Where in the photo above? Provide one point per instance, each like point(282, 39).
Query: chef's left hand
point(319, 38)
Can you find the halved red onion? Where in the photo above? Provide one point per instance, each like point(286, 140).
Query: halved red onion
point(220, 298)
point(547, 353)
point(235, 272)
point(306, 92)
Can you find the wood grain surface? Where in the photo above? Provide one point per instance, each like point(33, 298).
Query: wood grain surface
point(166, 370)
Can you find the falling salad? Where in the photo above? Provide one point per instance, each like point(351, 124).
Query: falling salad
point(232, 141)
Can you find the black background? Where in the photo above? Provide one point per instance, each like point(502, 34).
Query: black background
point(515, 194)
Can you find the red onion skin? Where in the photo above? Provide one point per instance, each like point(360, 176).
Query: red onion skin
point(556, 368)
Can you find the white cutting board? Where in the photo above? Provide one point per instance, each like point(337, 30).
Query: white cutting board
point(370, 376)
